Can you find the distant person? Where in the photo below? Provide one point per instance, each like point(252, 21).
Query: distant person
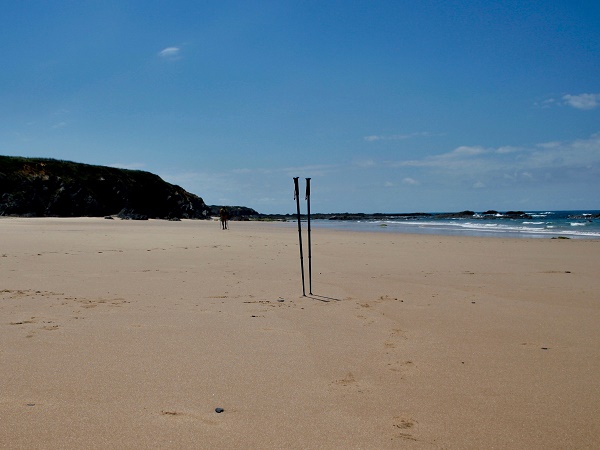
point(224, 216)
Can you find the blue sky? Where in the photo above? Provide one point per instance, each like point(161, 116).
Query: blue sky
point(390, 106)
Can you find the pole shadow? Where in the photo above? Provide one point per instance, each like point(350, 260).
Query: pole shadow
point(323, 298)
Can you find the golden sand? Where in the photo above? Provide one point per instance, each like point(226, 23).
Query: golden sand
point(121, 334)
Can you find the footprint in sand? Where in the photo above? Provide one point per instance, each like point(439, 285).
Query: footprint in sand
point(366, 319)
point(23, 322)
point(400, 367)
point(395, 337)
point(398, 334)
point(189, 417)
point(171, 413)
point(349, 381)
point(405, 424)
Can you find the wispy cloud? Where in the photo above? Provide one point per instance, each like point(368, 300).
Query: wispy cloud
point(466, 151)
point(267, 189)
point(364, 163)
point(394, 137)
point(548, 103)
point(410, 181)
point(170, 53)
point(313, 170)
point(58, 125)
point(498, 171)
point(553, 162)
point(578, 101)
point(582, 101)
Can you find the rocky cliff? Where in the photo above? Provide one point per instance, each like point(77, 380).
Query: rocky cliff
point(37, 187)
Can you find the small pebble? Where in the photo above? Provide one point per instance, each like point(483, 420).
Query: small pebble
point(219, 410)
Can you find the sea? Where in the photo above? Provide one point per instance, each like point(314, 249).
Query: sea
point(580, 224)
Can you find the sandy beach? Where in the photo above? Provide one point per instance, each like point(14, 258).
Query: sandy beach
point(127, 334)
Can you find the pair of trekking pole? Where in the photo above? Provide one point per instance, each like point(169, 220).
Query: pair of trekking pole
point(297, 198)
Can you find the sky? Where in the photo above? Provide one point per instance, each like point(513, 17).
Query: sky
point(388, 106)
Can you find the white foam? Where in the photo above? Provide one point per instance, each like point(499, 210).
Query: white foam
point(528, 228)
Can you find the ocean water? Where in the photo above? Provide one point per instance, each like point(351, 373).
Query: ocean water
point(542, 224)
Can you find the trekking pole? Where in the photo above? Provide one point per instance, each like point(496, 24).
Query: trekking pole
point(297, 198)
point(309, 246)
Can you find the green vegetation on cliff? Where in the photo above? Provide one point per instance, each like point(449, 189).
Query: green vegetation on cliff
point(38, 187)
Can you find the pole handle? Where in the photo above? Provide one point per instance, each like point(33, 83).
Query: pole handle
point(296, 189)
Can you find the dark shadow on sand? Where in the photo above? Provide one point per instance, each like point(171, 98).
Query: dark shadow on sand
point(323, 298)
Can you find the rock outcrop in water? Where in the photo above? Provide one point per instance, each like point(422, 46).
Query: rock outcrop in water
point(36, 187)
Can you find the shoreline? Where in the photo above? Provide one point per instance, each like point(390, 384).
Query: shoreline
point(130, 334)
point(574, 224)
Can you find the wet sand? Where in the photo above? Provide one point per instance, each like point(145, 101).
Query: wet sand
point(125, 334)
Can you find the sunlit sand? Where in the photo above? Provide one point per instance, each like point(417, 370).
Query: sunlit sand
point(122, 334)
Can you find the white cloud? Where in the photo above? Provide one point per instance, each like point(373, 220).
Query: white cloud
point(372, 138)
point(461, 173)
point(466, 151)
point(508, 149)
point(552, 162)
point(410, 181)
point(552, 144)
point(267, 190)
point(365, 163)
point(582, 101)
point(314, 170)
point(170, 53)
point(546, 103)
point(463, 156)
point(394, 137)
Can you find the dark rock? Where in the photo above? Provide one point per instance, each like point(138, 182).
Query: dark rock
point(238, 213)
point(517, 215)
point(458, 215)
point(129, 214)
point(35, 187)
point(349, 216)
point(341, 216)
